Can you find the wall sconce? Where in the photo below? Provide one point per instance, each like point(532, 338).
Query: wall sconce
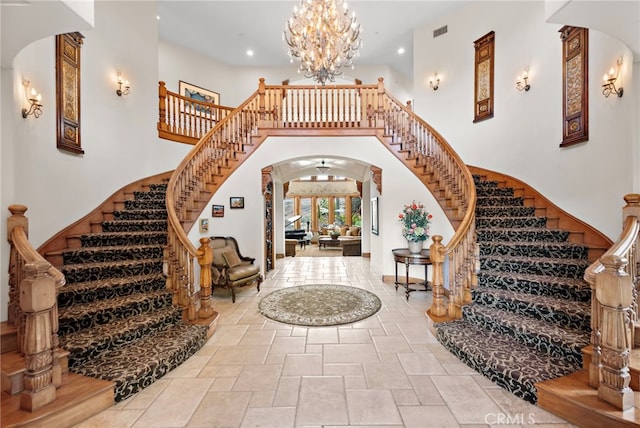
point(434, 81)
point(121, 82)
point(522, 84)
point(609, 86)
point(34, 99)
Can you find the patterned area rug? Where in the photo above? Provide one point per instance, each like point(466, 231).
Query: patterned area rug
point(319, 305)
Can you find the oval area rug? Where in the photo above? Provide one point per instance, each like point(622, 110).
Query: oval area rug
point(319, 305)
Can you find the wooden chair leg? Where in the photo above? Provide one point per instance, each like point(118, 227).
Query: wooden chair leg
point(233, 295)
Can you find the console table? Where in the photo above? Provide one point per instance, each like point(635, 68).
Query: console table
point(404, 256)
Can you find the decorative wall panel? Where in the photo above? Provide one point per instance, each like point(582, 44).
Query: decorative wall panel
point(68, 91)
point(484, 64)
point(575, 88)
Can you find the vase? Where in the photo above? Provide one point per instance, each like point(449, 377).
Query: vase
point(415, 247)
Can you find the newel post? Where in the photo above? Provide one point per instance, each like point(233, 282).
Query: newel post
point(614, 291)
point(380, 115)
point(438, 308)
point(205, 258)
point(262, 90)
point(632, 209)
point(17, 219)
point(162, 106)
point(37, 301)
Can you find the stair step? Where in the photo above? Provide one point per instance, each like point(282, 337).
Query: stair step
point(77, 317)
point(152, 194)
point(521, 234)
point(12, 374)
point(513, 221)
point(565, 250)
point(512, 365)
point(494, 191)
point(542, 285)
point(111, 239)
point(484, 201)
point(84, 272)
point(91, 342)
point(564, 312)
point(144, 204)
point(134, 225)
point(87, 292)
point(564, 268)
point(508, 211)
point(114, 253)
point(157, 214)
point(553, 339)
point(154, 355)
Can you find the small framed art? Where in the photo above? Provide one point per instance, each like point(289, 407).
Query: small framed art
point(236, 202)
point(374, 216)
point(217, 210)
point(204, 225)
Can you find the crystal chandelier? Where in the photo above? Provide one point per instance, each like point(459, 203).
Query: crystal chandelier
point(323, 37)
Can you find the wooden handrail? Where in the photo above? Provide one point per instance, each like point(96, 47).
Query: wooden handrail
point(329, 110)
point(614, 281)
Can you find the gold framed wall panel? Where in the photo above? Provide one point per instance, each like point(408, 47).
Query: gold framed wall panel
point(483, 100)
point(68, 92)
point(575, 85)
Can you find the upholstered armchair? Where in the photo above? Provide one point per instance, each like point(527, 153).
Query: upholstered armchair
point(230, 269)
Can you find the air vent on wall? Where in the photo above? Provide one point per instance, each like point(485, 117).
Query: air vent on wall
point(439, 31)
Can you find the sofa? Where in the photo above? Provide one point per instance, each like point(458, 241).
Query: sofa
point(349, 237)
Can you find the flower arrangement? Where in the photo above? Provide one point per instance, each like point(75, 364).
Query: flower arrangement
point(415, 222)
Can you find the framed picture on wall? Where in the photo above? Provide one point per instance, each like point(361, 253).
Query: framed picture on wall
point(217, 210)
point(236, 202)
point(204, 225)
point(200, 97)
point(374, 216)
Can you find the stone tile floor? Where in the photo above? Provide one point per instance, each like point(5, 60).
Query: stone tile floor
point(385, 371)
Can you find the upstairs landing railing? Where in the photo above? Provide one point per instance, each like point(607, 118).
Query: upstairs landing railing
point(33, 311)
point(339, 110)
point(614, 280)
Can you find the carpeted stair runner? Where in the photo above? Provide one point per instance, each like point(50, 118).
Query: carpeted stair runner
point(116, 317)
point(530, 315)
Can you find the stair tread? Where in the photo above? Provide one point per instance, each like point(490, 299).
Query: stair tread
point(69, 267)
point(504, 354)
point(553, 333)
point(559, 261)
point(105, 248)
point(80, 309)
point(572, 282)
point(101, 334)
point(568, 306)
point(89, 285)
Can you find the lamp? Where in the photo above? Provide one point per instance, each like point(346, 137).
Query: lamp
point(34, 99)
point(434, 81)
point(609, 86)
point(322, 168)
point(122, 82)
point(522, 83)
point(322, 36)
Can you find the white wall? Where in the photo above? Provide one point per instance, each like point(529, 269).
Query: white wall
point(522, 139)
point(399, 187)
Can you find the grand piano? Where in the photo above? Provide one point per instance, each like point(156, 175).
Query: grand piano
point(297, 234)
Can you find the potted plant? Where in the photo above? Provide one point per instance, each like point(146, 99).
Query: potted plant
point(415, 225)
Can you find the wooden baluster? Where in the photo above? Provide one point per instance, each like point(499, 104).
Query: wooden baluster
point(614, 290)
point(37, 298)
point(436, 255)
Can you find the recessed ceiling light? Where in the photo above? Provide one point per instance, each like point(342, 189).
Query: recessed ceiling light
point(249, 52)
point(400, 51)
point(158, 17)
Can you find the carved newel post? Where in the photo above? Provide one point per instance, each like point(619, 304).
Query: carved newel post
point(438, 308)
point(614, 291)
point(205, 258)
point(37, 301)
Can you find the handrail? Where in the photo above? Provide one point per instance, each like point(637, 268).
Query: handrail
point(614, 280)
point(287, 109)
point(185, 119)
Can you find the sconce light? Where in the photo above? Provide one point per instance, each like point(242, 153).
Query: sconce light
point(122, 82)
point(522, 84)
point(434, 81)
point(34, 99)
point(609, 86)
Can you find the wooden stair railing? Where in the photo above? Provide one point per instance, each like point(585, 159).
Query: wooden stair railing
point(186, 120)
point(340, 110)
point(33, 311)
point(614, 280)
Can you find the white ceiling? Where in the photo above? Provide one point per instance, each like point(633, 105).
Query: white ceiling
point(225, 30)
